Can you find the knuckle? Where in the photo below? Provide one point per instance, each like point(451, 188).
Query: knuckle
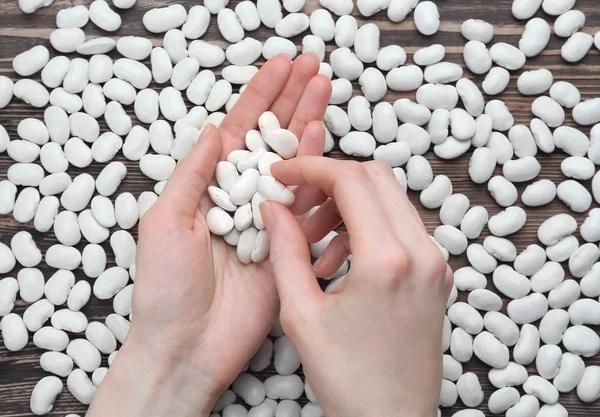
point(401, 264)
point(449, 278)
point(354, 169)
point(290, 322)
point(395, 267)
point(148, 220)
point(437, 267)
point(379, 168)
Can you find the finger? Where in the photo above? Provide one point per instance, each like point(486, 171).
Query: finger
point(258, 97)
point(334, 256)
point(305, 67)
point(311, 143)
point(193, 173)
point(307, 197)
point(449, 281)
point(313, 104)
point(312, 140)
point(323, 221)
point(348, 183)
point(404, 218)
point(289, 252)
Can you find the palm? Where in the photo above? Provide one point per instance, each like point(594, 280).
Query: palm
point(247, 304)
point(193, 295)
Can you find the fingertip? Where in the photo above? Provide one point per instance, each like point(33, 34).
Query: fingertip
point(313, 139)
point(277, 169)
point(274, 214)
point(281, 62)
point(324, 83)
point(308, 63)
point(266, 212)
point(282, 57)
point(209, 141)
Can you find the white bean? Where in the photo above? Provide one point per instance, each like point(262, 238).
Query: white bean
point(34, 93)
point(469, 390)
point(590, 230)
point(576, 47)
point(511, 283)
point(44, 394)
point(80, 386)
point(574, 195)
point(427, 18)
point(557, 7)
point(110, 282)
point(507, 222)
point(535, 37)
point(284, 387)
point(454, 209)
point(162, 19)
point(501, 327)
point(56, 363)
point(507, 56)
point(542, 389)
point(482, 165)
point(6, 90)
point(561, 251)
point(501, 117)
point(31, 61)
point(361, 144)
point(484, 300)
point(581, 340)
point(101, 337)
point(250, 389)
point(405, 78)
point(104, 17)
point(25, 250)
point(79, 295)
point(588, 389)
point(443, 73)
point(461, 345)
point(26, 204)
point(436, 193)
point(584, 113)
point(527, 406)
point(98, 45)
point(451, 238)
point(476, 29)
point(496, 81)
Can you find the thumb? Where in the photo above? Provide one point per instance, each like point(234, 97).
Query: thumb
point(192, 175)
point(290, 257)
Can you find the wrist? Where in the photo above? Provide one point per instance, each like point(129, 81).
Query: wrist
point(144, 383)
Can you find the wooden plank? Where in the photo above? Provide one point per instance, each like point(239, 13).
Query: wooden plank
point(20, 371)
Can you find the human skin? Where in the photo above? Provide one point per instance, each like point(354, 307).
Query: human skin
point(371, 348)
point(198, 313)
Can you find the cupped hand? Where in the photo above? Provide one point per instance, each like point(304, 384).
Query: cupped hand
point(198, 313)
point(373, 346)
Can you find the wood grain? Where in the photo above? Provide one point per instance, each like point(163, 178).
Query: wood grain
point(20, 371)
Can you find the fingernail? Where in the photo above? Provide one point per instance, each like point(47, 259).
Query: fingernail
point(206, 130)
point(266, 211)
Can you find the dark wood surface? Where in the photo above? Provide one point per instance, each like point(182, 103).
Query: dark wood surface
point(20, 371)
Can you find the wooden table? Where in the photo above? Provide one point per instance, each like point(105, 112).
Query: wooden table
point(20, 371)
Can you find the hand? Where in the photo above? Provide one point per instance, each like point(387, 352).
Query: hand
point(373, 346)
point(198, 313)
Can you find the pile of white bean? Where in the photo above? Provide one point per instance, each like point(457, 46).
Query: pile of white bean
point(244, 181)
point(549, 321)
